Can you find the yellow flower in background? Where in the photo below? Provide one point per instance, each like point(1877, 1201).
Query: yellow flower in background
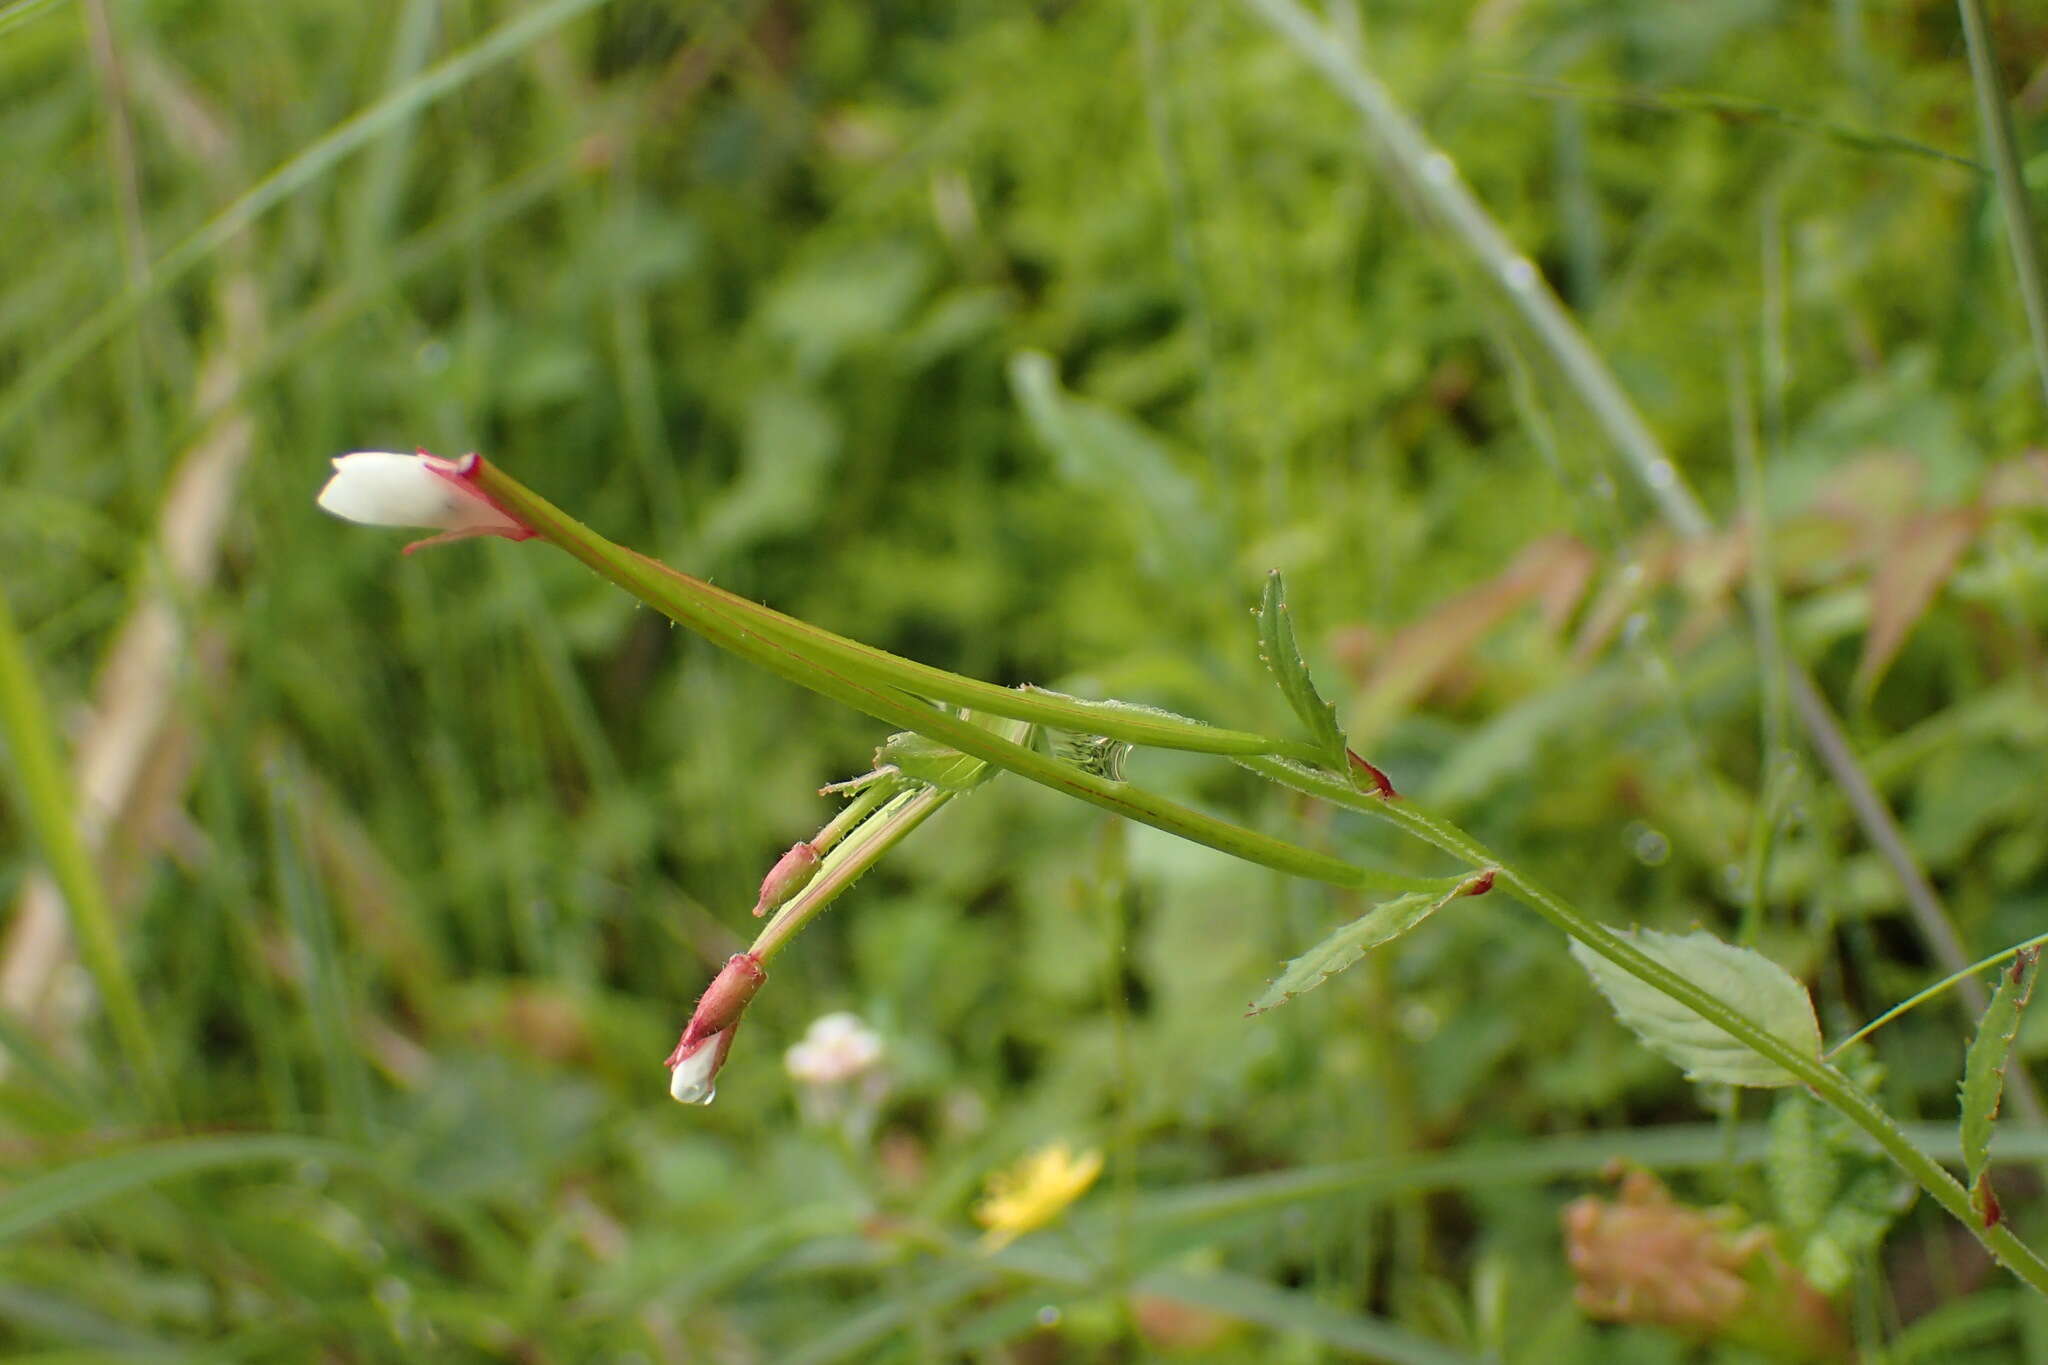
point(1033, 1192)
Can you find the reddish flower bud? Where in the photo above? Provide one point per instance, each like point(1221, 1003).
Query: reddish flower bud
point(700, 1052)
point(792, 873)
point(726, 998)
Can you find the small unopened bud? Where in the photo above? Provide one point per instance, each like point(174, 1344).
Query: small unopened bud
point(792, 873)
point(700, 1052)
point(384, 488)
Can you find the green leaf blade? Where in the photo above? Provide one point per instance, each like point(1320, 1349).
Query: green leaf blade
point(1765, 992)
point(1380, 925)
point(1278, 648)
point(1984, 1069)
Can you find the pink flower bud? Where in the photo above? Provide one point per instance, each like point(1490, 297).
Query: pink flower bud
point(383, 488)
point(792, 873)
point(700, 1052)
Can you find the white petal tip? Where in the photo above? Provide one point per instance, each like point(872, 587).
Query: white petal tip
point(385, 488)
point(687, 1089)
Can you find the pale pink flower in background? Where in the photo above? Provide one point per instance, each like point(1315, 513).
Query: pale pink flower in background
point(837, 1048)
point(839, 1074)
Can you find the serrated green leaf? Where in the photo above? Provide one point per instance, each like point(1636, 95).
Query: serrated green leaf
point(1748, 981)
point(1382, 924)
point(1277, 647)
point(1984, 1070)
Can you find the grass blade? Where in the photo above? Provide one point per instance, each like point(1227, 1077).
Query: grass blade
point(80, 1185)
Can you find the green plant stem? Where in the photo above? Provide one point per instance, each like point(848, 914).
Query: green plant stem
point(890, 689)
point(1763, 607)
point(50, 808)
point(862, 847)
point(2003, 150)
point(849, 818)
point(1921, 997)
point(1156, 730)
point(1827, 1083)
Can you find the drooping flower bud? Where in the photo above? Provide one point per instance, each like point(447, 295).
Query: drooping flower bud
point(383, 488)
point(792, 873)
point(700, 1052)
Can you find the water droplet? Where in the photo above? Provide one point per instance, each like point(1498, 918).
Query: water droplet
point(1648, 844)
point(1661, 474)
point(1048, 1315)
point(1438, 169)
point(432, 357)
point(1521, 275)
point(1636, 627)
point(1420, 1021)
point(1097, 754)
point(1632, 573)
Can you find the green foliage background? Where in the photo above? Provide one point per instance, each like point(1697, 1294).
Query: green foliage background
point(1021, 339)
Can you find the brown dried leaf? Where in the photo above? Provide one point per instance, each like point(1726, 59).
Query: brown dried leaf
point(1551, 572)
point(1646, 1258)
point(1913, 561)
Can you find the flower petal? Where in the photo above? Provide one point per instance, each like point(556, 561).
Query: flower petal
point(383, 488)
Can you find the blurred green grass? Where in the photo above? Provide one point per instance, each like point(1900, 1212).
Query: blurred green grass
point(429, 857)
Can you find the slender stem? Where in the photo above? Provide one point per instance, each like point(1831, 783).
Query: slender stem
point(850, 817)
point(1921, 997)
point(1433, 179)
point(2003, 150)
point(845, 865)
point(1763, 607)
point(875, 683)
point(1131, 724)
point(1834, 1088)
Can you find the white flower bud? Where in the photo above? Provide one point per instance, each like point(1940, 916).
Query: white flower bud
point(383, 488)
